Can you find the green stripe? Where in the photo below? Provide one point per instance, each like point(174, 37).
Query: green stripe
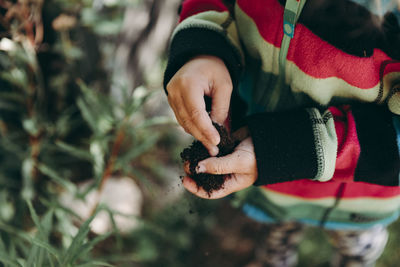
point(256, 88)
point(311, 211)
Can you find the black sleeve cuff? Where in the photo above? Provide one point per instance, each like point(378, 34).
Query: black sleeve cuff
point(284, 146)
point(379, 160)
point(192, 42)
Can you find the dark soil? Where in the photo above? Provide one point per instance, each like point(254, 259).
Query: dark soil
point(197, 152)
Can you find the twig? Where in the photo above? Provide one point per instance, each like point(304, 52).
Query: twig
point(110, 164)
point(114, 154)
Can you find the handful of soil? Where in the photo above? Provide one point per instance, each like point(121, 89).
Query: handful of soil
point(197, 152)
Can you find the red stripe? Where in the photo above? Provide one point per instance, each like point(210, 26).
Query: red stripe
point(348, 146)
point(392, 66)
point(192, 7)
point(317, 190)
point(310, 53)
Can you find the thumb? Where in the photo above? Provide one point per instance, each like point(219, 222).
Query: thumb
point(221, 165)
point(221, 98)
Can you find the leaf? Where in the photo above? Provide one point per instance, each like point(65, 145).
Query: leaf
point(57, 178)
point(2, 246)
point(46, 246)
point(50, 260)
point(139, 97)
point(44, 226)
point(75, 151)
point(7, 208)
point(100, 103)
point(97, 151)
point(66, 122)
point(47, 222)
point(31, 126)
point(73, 251)
point(27, 175)
point(9, 106)
point(92, 243)
point(138, 175)
point(146, 250)
point(117, 235)
point(34, 256)
point(7, 143)
point(4, 258)
point(15, 77)
point(8, 182)
point(12, 96)
point(136, 151)
point(95, 263)
point(35, 217)
point(161, 120)
point(107, 27)
point(87, 114)
point(73, 53)
point(57, 206)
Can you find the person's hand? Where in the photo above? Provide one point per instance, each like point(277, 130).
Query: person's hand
point(240, 166)
point(199, 77)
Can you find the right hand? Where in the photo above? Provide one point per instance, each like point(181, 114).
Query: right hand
point(240, 167)
point(199, 77)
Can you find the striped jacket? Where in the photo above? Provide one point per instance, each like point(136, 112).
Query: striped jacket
point(328, 149)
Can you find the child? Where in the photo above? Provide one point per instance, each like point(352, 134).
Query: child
point(319, 100)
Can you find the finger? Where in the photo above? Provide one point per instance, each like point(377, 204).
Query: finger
point(221, 95)
point(233, 184)
point(186, 167)
point(178, 110)
point(192, 187)
point(199, 119)
point(212, 149)
point(235, 162)
point(185, 120)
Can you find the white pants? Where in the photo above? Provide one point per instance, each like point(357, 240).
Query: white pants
point(353, 248)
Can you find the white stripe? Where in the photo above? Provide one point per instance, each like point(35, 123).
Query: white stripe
point(359, 204)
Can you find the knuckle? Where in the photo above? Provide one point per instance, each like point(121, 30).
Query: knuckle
point(171, 102)
point(171, 96)
point(221, 108)
point(220, 112)
point(195, 113)
point(219, 168)
point(227, 86)
point(184, 122)
point(171, 87)
point(184, 81)
point(178, 83)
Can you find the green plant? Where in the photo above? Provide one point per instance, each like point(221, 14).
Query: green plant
point(59, 127)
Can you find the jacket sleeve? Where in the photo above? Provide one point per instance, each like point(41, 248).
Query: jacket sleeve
point(347, 143)
point(207, 27)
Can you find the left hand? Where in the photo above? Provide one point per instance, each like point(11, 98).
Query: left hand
point(240, 166)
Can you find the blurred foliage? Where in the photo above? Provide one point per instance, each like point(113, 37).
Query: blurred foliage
point(59, 127)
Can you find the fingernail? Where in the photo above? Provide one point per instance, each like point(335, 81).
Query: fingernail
point(214, 151)
point(200, 169)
